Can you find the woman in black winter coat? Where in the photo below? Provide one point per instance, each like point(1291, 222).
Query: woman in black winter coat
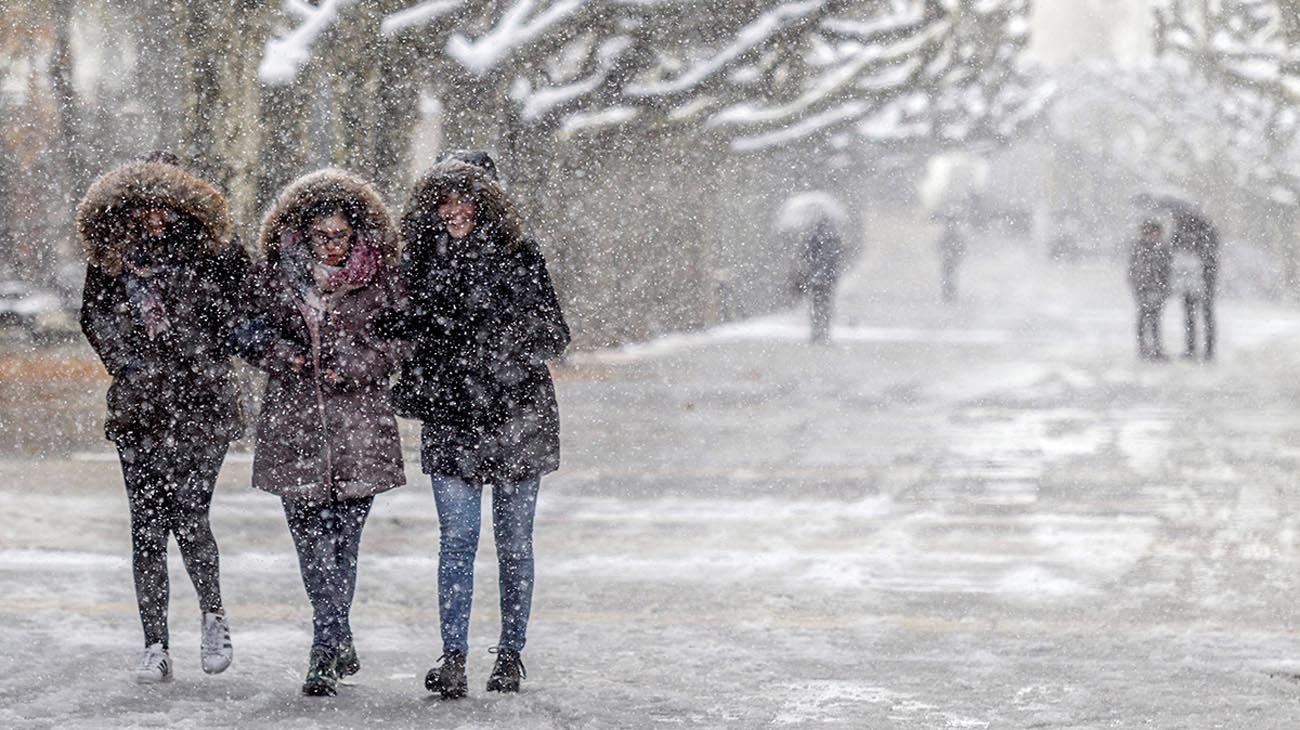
point(483, 320)
point(157, 307)
point(821, 261)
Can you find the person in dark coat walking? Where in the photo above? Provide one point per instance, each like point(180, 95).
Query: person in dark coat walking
point(952, 249)
point(483, 319)
point(813, 222)
point(158, 306)
point(821, 261)
point(1195, 269)
point(327, 439)
point(1148, 277)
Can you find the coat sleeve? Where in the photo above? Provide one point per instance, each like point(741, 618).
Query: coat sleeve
point(99, 323)
point(536, 329)
point(373, 354)
point(234, 269)
point(255, 333)
point(227, 275)
point(361, 367)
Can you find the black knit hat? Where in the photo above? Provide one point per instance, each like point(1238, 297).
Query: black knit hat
point(478, 158)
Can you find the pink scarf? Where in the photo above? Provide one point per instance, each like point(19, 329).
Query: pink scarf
point(363, 263)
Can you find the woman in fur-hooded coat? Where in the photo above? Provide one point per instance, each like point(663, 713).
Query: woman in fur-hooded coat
point(483, 319)
point(327, 438)
point(158, 307)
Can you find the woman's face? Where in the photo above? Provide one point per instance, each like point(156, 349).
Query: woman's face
point(457, 215)
point(154, 220)
point(331, 239)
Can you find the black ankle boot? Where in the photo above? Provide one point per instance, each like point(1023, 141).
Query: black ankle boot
point(348, 664)
point(507, 671)
point(322, 674)
point(448, 678)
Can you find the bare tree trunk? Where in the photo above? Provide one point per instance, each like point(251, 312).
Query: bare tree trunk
point(158, 69)
point(1286, 225)
point(221, 45)
point(75, 176)
point(397, 113)
point(472, 111)
point(351, 68)
point(284, 141)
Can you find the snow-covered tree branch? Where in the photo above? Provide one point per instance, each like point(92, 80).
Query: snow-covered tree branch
point(757, 73)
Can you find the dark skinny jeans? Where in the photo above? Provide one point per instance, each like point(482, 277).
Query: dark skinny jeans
point(327, 536)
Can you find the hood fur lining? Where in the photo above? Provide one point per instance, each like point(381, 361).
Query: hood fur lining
point(101, 215)
point(283, 217)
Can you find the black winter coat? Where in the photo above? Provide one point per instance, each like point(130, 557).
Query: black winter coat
point(1195, 234)
point(821, 259)
point(177, 385)
point(1149, 271)
point(482, 320)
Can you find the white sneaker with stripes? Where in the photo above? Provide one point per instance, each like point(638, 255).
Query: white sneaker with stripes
point(155, 665)
point(215, 650)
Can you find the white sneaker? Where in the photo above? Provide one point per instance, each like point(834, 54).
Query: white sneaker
point(155, 665)
point(215, 650)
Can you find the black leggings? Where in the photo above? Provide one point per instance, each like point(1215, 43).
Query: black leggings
point(1148, 330)
point(170, 489)
point(1191, 303)
point(821, 301)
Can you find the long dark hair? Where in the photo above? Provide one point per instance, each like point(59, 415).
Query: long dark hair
point(495, 214)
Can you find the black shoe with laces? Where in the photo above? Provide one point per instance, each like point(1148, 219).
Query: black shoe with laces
point(322, 674)
point(448, 678)
point(507, 671)
point(348, 664)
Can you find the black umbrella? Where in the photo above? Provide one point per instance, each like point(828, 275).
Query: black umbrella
point(1170, 202)
point(1192, 229)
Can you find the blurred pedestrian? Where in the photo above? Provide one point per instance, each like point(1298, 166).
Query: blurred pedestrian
point(952, 249)
point(158, 306)
point(327, 439)
point(483, 319)
point(1195, 266)
point(1148, 277)
point(815, 220)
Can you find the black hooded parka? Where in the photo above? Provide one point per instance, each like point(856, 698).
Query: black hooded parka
point(482, 319)
point(159, 310)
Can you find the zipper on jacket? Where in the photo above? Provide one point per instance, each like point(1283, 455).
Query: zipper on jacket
point(318, 346)
point(326, 448)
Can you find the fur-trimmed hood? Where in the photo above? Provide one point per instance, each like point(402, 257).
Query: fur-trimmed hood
point(102, 214)
point(494, 206)
point(285, 216)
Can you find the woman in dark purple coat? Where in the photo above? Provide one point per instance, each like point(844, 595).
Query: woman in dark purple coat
point(327, 438)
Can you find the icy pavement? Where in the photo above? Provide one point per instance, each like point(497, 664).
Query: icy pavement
point(992, 517)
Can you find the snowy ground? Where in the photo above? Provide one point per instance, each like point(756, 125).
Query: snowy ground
point(989, 517)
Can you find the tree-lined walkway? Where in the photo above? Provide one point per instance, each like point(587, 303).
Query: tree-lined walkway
point(988, 517)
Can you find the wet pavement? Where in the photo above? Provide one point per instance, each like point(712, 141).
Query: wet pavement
point(988, 516)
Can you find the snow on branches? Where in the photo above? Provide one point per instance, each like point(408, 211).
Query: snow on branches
point(1242, 58)
point(759, 73)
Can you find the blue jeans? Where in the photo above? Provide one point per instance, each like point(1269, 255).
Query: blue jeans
point(459, 517)
point(328, 537)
